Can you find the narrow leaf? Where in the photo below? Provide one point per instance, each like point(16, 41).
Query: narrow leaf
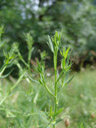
point(57, 113)
point(50, 44)
point(4, 76)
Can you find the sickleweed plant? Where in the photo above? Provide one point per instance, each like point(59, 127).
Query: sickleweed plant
point(14, 57)
point(8, 56)
point(61, 79)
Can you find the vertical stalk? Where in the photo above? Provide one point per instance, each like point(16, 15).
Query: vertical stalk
point(29, 58)
point(55, 85)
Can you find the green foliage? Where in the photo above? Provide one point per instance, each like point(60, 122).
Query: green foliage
point(76, 18)
point(33, 102)
point(29, 41)
point(1, 32)
point(24, 103)
point(9, 57)
point(14, 57)
point(54, 44)
point(81, 125)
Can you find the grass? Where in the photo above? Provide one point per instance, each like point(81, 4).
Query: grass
point(78, 99)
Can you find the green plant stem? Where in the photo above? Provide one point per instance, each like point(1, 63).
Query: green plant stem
point(2, 101)
point(55, 85)
point(48, 90)
point(61, 74)
point(18, 81)
point(21, 58)
point(2, 69)
point(29, 58)
point(55, 90)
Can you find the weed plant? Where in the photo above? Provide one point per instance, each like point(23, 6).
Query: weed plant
point(61, 79)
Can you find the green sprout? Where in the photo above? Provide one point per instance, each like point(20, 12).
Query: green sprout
point(54, 45)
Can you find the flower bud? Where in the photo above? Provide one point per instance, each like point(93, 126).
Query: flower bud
point(93, 115)
point(67, 122)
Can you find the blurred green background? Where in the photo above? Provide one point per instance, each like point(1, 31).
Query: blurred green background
point(75, 18)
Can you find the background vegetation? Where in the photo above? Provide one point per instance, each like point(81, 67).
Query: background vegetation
point(24, 29)
point(75, 18)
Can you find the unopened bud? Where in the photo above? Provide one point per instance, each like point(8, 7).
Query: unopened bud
point(67, 122)
point(93, 115)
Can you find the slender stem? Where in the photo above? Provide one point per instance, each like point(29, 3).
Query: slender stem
point(55, 85)
point(2, 101)
point(55, 90)
point(18, 81)
point(29, 58)
point(46, 87)
point(61, 74)
point(48, 90)
point(2, 69)
point(21, 58)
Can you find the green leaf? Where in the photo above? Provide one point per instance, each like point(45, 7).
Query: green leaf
point(9, 114)
point(57, 113)
point(1, 102)
point(70, 79)
point(32, 79)
point(66, 53)
point(66, 80)
point(43, 55)
point(4, 76)
point(50, 44)
point(58, 121)
point(81, 125)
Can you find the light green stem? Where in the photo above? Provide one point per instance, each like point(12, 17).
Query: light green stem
point(2, 101)
point(18, 81)
point(55, 85)
point(48, 90)
point(29, 58)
